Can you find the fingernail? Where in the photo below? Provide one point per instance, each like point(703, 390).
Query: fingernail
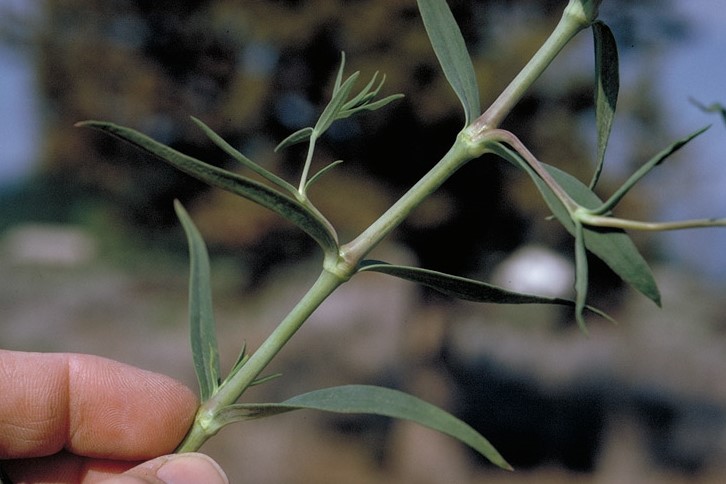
point(191, 468)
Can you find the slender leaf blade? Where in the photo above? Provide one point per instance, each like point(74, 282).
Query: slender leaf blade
point(464, 288)
point(231, 151)
point(656, 160)
point(450, 49)
point(377, 401)
point(306, 219)
point(607, 87)
point(320, 173)
point(203, 336)
point(339, 76)
point(365, 94)
point(375, 105)
point(298, 136)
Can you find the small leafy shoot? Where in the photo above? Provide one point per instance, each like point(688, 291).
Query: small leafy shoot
point(339, 107)
point(336, 105)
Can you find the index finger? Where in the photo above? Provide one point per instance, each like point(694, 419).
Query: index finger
point(90, 406)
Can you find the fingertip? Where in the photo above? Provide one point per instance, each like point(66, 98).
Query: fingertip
point(189, 468)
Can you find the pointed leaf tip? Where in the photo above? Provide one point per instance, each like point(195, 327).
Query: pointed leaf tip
point(450, 49)
point(373, 400)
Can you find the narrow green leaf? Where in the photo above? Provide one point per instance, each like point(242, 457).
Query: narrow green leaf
point(304, 217)
point(464, 288)
point(230, 150)
point(450, 49)
point(612, 245)
point(370, 106)
point(320, 173)
point(644, 170)
point(607, 86)
point(339, 76)
point(265, 379)
point(205, 352)
point(371, 400)
point(298, 136)
point(581, 276)
point(239, 362)
point(365, 94)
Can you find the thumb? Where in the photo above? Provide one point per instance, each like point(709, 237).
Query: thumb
point(190, 468)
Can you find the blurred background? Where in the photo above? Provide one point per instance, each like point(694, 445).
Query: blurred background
point(93, 259)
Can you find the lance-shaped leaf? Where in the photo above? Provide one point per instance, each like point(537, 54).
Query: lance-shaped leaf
point(231, 151)
point(304, 217)
point(450, 49)
point(205, 352)
point(612, 245)
point(370, 400)
point(464, 288)
point(322, 172)
point(644, 170)
point(607, 85)
point(297, 137)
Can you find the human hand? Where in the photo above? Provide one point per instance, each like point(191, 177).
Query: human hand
point(73, 418)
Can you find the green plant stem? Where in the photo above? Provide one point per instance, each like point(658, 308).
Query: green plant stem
point(606, 221)
point(461, 152)
point(510, 139)
point(306, 168)
point(570, 24)
point(204, 422)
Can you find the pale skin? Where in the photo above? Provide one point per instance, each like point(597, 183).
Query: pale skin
point(74, 418)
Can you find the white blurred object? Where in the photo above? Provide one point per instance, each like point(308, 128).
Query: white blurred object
point(536, 270)
point(49, 244)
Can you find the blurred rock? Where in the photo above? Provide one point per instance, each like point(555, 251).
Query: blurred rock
point(535, 269)
point(49, 244)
